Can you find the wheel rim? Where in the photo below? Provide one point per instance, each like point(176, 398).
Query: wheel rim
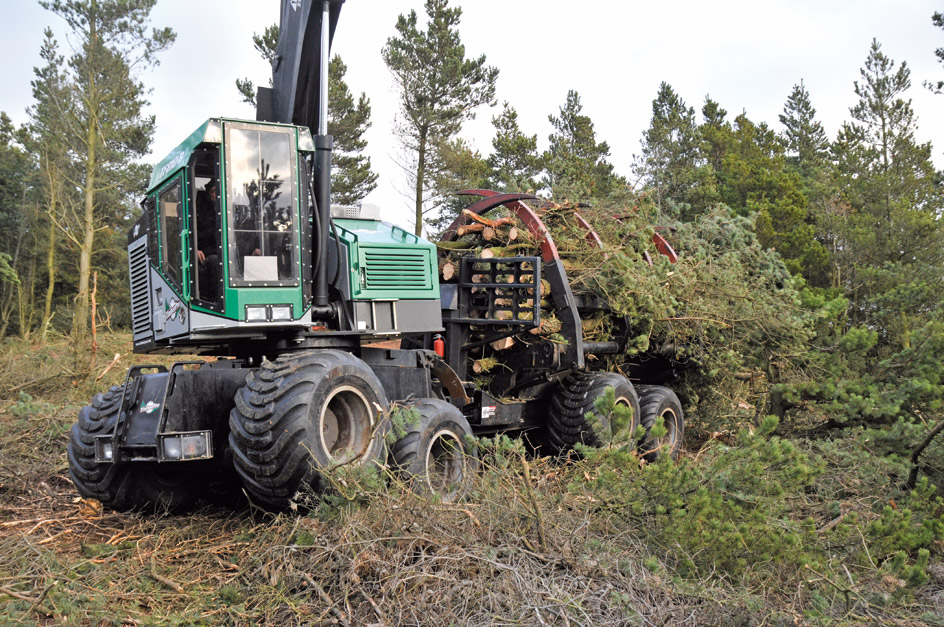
point(445, 461)
point(625, 402)
point(667, 444)
point(347, 424)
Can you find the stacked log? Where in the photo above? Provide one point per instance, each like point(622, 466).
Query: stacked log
point(499, 234)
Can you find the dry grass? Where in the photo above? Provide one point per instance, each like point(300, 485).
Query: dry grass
point(524, 548)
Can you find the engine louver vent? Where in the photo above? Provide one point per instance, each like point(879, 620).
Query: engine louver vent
point(140, 307)
point(393, 269)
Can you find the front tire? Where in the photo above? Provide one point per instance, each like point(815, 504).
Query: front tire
point(575, 397)
point(105, 482)
point(123, 486)
point(436, 452)
point(302, 414)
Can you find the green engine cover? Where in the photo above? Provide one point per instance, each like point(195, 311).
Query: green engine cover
point(388, 263)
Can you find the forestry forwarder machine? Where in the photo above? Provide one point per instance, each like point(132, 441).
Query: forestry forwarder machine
point(289, 294)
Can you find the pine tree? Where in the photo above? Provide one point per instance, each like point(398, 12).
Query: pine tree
point(899, 187)
point(439, 88)
point(575, 164)
point(893, 240)
point(514, 163)
point(265, 44)
point(713, 132)
point(456, 166)
point(352, 177)
point(670, 160)
point(754, 179)
point(804, 137)
point(107, 129)
point(50, 89)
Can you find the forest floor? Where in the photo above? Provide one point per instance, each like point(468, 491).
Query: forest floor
point(535, 543)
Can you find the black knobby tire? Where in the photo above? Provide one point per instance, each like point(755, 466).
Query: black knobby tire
point(436, 452)
point(655, 401)
point(574, 397)
point(105, 482)
point(301, 414)
point(124, 485)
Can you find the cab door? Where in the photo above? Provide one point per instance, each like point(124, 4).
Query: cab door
point(174, 237)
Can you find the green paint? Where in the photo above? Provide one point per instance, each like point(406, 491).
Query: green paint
point(388, 262)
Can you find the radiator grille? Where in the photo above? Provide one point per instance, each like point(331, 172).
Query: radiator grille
point(387, 269)
point(140, 307)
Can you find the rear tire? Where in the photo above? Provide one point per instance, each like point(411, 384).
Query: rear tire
point(575, 397)
point(301, 414)
point(436, 453)
point(656, 401)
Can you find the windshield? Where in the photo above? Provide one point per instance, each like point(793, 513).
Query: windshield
point(261, 194)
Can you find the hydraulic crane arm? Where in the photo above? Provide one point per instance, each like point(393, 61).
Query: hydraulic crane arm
point(299, 71)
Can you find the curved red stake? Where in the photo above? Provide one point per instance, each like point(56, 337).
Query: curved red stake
point(525, 213)
point(591, 234)
point(664, 247)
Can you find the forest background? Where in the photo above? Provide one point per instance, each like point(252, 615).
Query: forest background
point(808, 297)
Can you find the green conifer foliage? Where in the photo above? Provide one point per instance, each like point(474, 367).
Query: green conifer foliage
point(514, 163)
point(439, 88)
point(576, 165)
point(457, 166)
point(352, 176)
point(807, 146)
point(670, 163)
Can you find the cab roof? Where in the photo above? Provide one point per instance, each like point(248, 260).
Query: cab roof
point(211, 131)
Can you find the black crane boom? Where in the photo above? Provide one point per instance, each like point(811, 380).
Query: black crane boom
point(297, 82)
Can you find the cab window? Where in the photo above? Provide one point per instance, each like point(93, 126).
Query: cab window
point(262, 221)
point(171, 217)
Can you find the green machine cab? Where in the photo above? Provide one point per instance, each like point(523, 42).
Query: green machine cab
point(222, 259)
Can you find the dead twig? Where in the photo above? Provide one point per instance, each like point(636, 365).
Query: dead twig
point(173, 585)
point(109, 367)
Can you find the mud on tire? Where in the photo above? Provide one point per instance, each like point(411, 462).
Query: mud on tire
point(303, 413)
point(575, 397)
point(436, 452)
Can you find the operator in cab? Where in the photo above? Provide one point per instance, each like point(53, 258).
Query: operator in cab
point(208, 253)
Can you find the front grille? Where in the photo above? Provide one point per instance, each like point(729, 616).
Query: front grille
point(397, 269)
point(140, 307)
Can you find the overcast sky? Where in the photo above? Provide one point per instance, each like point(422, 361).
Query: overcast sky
point(746, 54)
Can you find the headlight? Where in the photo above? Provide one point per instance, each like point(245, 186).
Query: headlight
point(194, 445)
point(281, 312)
point(172, 448)
point(186, 445)
point(256, 314)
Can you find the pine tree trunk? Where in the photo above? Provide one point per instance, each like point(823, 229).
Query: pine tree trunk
point(50, 263)
point(80, 321)
point(25, 292)
point(420, 181)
